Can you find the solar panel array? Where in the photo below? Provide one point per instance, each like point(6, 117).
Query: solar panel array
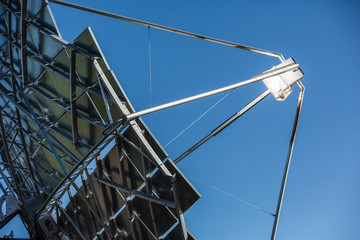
point(56, 100)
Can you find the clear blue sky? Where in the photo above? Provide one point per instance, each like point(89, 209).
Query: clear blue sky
point(247, 159)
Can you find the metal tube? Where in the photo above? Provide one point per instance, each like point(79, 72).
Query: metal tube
point(225, 124)
point(256, 78)
point(49, 33)
point(6, 181)
point(140, 151)
point(96, 199)
point(8, 159)
point(72, 223)
point(179, 211)
point(31, 115)
point(85, 200)
point(288, 161)
point(149, 191)
point(132, 124)
point(74, 121)
point(123, 165)
point(58, 191)
point(137, 193)
point(169, 29)
point(3, 132)
point(24, 43)
point(26, 153)
point(65, 107)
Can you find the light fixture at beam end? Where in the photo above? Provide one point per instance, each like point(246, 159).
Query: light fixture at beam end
point(281, 85)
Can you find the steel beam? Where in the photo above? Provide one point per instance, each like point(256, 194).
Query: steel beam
point(48, 66)
point(103, 188)
point(87, 197)
point(50, 34)
point(66, 108)
point(41, 126)
point(72, 223)
point(50, 202)
point(8, 159)
point(139, 150)
point(288, 161)
point(149, 191)
point(96, 199)
point(24, 43)
point(168, 29)
point(98, 219)
point(132, 123)
point(5, 178)
point(31, 115)
point(44, 123)
point(225, 124)
point(26, 153)
point(137, 193)
point(123, 164)
point(262, 76)
point(74, 122)
point(179, 211)
point(3, 133)
point(40, 142)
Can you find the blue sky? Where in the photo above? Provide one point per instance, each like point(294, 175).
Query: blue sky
point(247, 159)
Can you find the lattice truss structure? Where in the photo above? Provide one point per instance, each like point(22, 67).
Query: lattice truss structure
point(58, 103)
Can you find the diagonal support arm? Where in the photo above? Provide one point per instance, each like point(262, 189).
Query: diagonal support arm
point(288, 161)
point(137, 193)
point(224, 125)
point(262, 76)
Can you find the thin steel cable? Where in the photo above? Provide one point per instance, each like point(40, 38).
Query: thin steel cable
point(150, 80)
point(232, 196)
point(196, 120)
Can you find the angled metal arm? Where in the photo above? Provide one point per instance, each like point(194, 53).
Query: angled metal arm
point(179, 211)
point(97, 217)
point(169, 29)
point(137, 193)
point(288, 161)
point(256, 78)
point(24, 43)
point(9, 161)
point(225, 124)
point(31, 115)
point(7, 183)
point(74, 122)
point(72, 222)
point(132, 123)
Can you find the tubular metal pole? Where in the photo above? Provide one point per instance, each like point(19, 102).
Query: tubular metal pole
point(224, 125)
point(137, 193)
point(24, 43)
point(133, 124)
point(288, 161)
point(256, 78)
point(81, 235)
point(169, 29)
point(73, 106)
point(179, 211)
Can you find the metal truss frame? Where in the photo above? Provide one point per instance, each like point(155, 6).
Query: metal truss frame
point(149, 156)
point(20, 172)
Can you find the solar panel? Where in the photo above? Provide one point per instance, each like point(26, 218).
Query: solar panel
point(57, 99)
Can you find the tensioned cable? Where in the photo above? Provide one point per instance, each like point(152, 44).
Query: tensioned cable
point(232, 196)
point(150, 80)
point(196, 120)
